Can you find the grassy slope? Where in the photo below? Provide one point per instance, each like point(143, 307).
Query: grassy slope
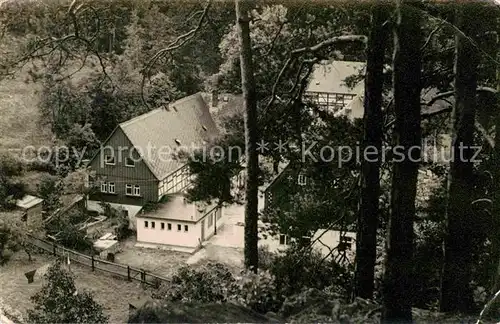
point(19, 122)
point(113, 293)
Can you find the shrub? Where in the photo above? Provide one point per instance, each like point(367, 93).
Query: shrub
point(10, 191)
point(296, 270)
point(211, 283)
point(122, 230)
point(40, 165)
point(67, 230)
point(266, 257)
point(60, 302)
point(9, 166)
point(258, 291)
point(50, 190)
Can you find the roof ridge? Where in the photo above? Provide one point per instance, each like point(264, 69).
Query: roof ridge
point(183, 99)
point(159, 109)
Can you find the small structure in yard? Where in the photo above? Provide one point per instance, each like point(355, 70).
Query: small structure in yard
point(178, 224)
point(31, 207)
point(106, 245)
point(37, 274)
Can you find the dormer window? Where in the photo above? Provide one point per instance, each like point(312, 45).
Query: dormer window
point(302, 180)
point(129, 162)
point(109, 159)
point(177, 142)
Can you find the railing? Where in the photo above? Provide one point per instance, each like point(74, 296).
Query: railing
point(95, 263)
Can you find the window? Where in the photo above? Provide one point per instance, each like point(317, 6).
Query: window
point(345, 243)
point(179, 227)
point(210, 220)
point(137, 190)
point(128, 189)
point(129, 162)
point(283, 239)
point(146, 224)
point(302, 180)
point(152, 224)
point(109, 159)
point(162, 225)
point(104, 187)
point(111, 187)
point(169, 226)
point(305, 240)
point(269, 197)
point(186, 228)
point(170, 184)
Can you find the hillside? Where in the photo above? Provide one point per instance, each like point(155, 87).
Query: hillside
point(19, 122)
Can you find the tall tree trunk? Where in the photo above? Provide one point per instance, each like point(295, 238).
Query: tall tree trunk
point(366, 240)
point(456, 294)
point(407, 64)
point(250, 104)
point(496, 191)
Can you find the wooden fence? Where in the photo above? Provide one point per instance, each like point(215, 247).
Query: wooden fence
point(96, 263)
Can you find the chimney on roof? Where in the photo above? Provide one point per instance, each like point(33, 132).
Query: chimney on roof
point(215, 98)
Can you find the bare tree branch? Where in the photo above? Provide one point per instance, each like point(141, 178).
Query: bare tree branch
point(177, 43)
point(435, 30)
point(330, 42)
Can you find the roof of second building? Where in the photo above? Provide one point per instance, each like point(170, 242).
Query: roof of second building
point(28, 201)
point(178, 208)
point(330, 77)
point(184, 125)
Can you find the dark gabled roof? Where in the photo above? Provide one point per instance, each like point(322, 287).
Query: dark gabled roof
point(184, 124)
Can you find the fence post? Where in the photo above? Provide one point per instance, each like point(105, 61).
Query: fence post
point(93, 263)
point(128, 273)
point(54, 248)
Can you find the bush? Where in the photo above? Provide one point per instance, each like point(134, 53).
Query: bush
point(59, 301)
point(66, 229)
point(122, 230)
point(287, 274)
point(10, 191)
point(258, 291)
point(39, 165)
point(9, 166)
point(296, 270)
point(212, 283)
point(50, 190)
point(266, 257)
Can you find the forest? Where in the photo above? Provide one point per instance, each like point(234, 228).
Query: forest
point(427, 247)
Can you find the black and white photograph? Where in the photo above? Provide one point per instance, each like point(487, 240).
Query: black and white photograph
point(249, 161)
